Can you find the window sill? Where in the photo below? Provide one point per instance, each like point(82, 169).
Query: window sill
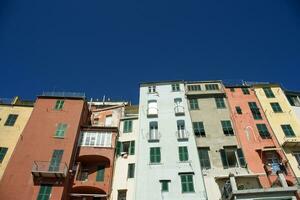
point(155, 164)
point(191, 192)
point(59, 137)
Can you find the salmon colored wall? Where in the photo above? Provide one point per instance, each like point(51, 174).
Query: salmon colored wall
point(37, 144)
point(248, 135)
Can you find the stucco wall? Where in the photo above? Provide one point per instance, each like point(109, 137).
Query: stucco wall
point(9, 135)
point(288, 116)
point(148, 175)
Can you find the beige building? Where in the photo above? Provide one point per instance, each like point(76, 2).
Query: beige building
point(283, 121)
point(14, 115)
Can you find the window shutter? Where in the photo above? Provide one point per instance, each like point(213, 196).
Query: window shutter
point(100, 173)
point(119, 148)
point(132, 148)
point(241, 157)
point(224, 158)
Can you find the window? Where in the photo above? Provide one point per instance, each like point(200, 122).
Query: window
point(268, 92)
point(11, 119)
point(227, 128)
point(294, 100)
point(276, 107)
point(187, 183)
point(60, 130)
point(122, 194)
point(181, 132)
point(232, 90)
point(212, 87)
point(254, 110)
point(271, 158)
point(96, 139)
point(127, 126)
point(194, 104)
point(175, 87)
point(263, 131)
point(232, 157)
point(155, 155)
point(288, 131)
point(3, 151)
point(83, 174)
point(125, 148)
point(45, 192)
point(130, 173)
point(153, 131)
point(245, 91)
point(199, 129)
point(59, 105)
point(56, 160)
point(164, 185)
point(204, 157)
point(297, 156)
point(220, 102)
point(238, 110)
point(100, 173)
point(152, 89)
point(108, 120)
point(183, 154)
point(194, 87)
point(152, 108)
point(179, 109)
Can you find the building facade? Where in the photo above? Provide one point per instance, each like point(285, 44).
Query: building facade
point(125, 160)
point(14, 114)
point(219, 152)
point(96, 152)
point(282, 120)
point(265, 159)
point(41, 165)
point(168, 166)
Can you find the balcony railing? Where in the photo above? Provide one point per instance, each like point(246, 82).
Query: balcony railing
point(152, 112)
point(49, 169)
point(291, 142)
point(182, 134)
point(275, 168)
point(153, 135)
point(179, 110)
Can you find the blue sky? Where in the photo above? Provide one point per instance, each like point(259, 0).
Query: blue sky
point(109, 47)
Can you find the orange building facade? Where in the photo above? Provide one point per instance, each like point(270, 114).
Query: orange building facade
point(262, 151)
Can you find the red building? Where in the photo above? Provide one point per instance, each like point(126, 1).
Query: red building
point(262, 152)
point(41, 165)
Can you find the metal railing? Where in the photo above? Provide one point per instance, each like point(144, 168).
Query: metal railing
point(64, 94)
point(153, 135)
point(179, 110)
point(46, 167)
point(182, 134)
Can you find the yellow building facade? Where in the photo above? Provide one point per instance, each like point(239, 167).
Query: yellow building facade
point(283, 121)
point(13, 118)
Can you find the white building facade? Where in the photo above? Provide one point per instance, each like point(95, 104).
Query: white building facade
point(124, 171)
point(168, 165)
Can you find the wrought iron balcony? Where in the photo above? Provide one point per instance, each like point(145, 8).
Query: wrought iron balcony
point(179, 110)
point(153, 135)
point(49, 169)
point(182, 134)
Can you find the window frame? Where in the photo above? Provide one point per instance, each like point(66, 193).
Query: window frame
point(187, 183)
point(59, 104)
point(11, 120)
point(263, 131)
point(220, 102)
point(199, 126)
point(276, 107)
point(193, 104)
point(203, 153)
point(44, 192)
point(287, 129)
point(131, 170)
point(227, 128)
point(61, 130)
point(268, 92)
point(175, 87)
point(127, 126)
point(3, 152)
point(155, 155)
point(183, 153)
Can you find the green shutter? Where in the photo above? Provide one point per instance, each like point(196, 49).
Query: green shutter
point(60, 130)
point(155, 155)
point(127, 127)
point(130, 172)
point(132, 148)
point(245, 91)
point(187, 183)
point(164, 185)
point(241, 157)
point(100, 173)
point(44, 193)
point(3, 151)
point(204, 157)
point(119, 148)
point(56, 160)
point(59, 105)
point(224, 158)
point(183, 153)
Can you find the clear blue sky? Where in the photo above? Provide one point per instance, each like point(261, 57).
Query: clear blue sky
point(108, 47)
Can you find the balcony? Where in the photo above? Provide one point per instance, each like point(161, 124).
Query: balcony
point(152, 112)
point(49, 170)
point(179, 110)
point(290, 142)
point(153, 135)
point(182, 134)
